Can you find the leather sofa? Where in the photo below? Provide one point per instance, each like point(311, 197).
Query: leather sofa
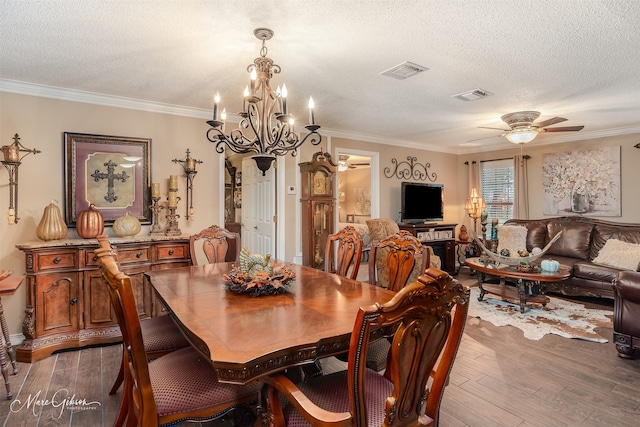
point(581, 241)
point(626, 313)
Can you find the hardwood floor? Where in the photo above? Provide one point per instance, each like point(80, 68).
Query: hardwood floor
point(499, 378)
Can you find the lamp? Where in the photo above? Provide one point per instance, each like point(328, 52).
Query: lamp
point(475, 207)
point(266, 127)
point(521, 135)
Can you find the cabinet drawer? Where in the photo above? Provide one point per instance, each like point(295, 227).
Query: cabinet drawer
point(56, 260)
point(128, 255)
point(174, 251)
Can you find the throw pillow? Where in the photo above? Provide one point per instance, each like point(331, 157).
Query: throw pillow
point(618, 254)
point(512, 237)
point(381, 228)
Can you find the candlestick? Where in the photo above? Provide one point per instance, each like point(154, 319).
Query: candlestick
point(284, 99)
point(173, 182)
point(11, 216)
point(190, 166)
point(173, 199)
point(155, 189)
point(216, 100)
point(312, 120)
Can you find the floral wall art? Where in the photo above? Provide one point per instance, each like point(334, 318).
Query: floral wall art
point(582, 182)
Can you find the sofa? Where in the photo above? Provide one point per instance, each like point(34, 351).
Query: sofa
point(580, 247)
point(626, 313)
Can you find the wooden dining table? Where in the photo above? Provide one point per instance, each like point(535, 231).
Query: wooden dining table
point(247, 337)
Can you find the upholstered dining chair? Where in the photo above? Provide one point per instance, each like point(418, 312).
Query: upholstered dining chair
point(346, 255)
point(425, 320)
point(179, 386)
point(397, 259)
point(215, 244)
point(160, 334)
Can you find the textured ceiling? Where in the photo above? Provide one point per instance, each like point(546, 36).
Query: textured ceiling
point(575, 59)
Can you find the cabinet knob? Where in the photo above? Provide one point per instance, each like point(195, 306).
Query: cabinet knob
point(57, 260)
point(74, 300)
point(170, 251)
point(95, 257)
point(139, 254)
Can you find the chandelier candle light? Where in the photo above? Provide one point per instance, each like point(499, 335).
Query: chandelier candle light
point(266, 127)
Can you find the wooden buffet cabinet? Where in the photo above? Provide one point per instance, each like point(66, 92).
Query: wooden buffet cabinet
point(441, 238)
point(68, 304)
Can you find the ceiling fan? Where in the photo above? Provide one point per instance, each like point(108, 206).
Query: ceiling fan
point(523, 130)
point(343, 165)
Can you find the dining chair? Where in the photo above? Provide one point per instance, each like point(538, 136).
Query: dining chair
point(215, 244)
point(179, 386)
point(425, 320)
point(346, 255)
point(160, 336)
point(395, 261)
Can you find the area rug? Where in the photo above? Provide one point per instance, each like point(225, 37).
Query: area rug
point(559, 317)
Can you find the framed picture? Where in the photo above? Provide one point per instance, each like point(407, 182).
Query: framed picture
point(110, 172)
point(351, 218)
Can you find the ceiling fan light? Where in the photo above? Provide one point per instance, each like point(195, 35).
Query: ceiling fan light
point(521, 136)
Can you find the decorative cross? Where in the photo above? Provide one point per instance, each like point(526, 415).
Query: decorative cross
point(110, 177)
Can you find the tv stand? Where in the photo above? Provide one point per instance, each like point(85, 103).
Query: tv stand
point(441, 238)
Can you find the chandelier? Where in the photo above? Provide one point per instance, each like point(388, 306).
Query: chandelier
point(522, 135)
point(266, 127)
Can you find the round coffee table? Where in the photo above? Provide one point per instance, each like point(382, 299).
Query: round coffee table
point(529, 287)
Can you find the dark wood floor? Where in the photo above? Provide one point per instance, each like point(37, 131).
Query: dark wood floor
point(499, 378)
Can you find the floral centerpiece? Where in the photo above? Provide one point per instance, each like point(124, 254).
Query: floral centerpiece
point(257, 275)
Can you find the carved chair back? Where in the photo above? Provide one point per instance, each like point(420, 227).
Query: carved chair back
point(394, 260)
point(347, 253)
point(215, 244)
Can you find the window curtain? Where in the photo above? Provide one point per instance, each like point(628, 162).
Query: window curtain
point(521, 190)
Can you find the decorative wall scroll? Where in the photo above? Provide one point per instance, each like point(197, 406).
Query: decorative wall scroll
point(410, 169)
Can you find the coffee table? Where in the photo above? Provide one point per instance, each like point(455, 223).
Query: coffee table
point(529, 287)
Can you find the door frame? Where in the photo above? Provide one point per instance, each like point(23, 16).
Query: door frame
point(375, 179)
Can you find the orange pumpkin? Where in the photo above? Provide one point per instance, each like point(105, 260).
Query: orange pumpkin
point(90, 223)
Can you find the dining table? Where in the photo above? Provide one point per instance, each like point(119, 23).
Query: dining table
point(246, 337)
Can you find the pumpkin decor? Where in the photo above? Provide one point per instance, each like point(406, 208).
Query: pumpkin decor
point(51, 226)
point(90, 223)
point(126, 226)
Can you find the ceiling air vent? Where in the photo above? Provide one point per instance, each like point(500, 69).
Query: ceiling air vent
point(472, 95)
point(404, 70)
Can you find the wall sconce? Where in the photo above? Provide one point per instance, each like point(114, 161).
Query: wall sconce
point(189, 166)
point(11, 161)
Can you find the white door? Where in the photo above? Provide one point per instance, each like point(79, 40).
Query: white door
point(258, 208)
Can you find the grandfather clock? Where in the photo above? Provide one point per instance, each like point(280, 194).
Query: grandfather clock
point(318, 203)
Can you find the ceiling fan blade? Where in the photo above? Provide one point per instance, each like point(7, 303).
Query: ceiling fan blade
point(551, 121)
point(486, 127)
point(563, 129)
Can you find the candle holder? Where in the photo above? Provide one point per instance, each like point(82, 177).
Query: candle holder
point(172, 219)
point(11, 161)
point(189, 166)
point(155, 208)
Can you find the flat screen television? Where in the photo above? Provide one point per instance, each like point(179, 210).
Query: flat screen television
point(421, 202)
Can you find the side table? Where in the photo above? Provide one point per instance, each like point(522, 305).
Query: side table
point(8, 286)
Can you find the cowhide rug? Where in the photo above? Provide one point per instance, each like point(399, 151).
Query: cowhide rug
point(560, 317)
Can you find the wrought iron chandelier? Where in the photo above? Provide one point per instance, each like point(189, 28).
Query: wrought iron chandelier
point(266, 128)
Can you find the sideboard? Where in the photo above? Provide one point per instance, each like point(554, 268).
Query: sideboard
point(68, 304)
point(441, 238)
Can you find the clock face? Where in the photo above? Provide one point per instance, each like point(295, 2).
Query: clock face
point(319, 183)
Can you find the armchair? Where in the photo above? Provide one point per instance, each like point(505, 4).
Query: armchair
point(626, 313)
point(425, 320)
